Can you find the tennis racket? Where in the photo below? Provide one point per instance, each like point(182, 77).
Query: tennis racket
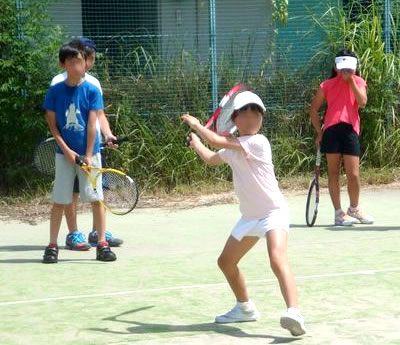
point(313, 193)
point(117, 192)
point(44, 157)
point(220, 121)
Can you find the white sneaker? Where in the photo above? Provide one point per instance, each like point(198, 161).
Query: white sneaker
point(241, 312)
point(360, 216)
point(343, 219)
point(293, 321)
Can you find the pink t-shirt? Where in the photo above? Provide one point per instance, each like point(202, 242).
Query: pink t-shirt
point(253, 177)
point(342, 104)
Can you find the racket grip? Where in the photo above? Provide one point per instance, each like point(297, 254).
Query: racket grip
point(118, 141)
point(79, 160)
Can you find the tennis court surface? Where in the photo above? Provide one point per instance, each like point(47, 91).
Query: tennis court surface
point(165, 287)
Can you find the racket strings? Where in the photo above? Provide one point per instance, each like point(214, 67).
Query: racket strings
point(119, 191)
point(312, 204)
point(44, 157)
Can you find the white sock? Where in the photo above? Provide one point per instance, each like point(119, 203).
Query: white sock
point(293, 310)
point(352, 209)
point(338, 212)
point(245, 305)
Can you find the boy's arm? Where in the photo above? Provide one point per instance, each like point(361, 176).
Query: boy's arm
point(214, 139)
point(105, 126)
point(101, 116)
point(210, 157)
point(95, 105)
point(91, 136)
point(51, 121)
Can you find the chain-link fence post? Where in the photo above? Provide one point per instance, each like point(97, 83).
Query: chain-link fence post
point(387, 26)
point(213, 52)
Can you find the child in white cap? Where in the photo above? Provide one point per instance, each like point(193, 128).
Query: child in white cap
point(344, 93)
point(264, 210)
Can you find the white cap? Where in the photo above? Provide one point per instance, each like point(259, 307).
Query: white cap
point(346, 62)
point(245, 98)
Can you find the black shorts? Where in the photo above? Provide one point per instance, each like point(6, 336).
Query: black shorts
point(341, 138)
point(76, 185)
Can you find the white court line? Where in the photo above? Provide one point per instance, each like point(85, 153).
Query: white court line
point(198, 286)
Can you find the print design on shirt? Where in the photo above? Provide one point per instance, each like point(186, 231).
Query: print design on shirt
point(72, 120)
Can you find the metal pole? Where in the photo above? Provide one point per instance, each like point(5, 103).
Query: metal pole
point(387, 25)
point(213, 52)
point(19, 6)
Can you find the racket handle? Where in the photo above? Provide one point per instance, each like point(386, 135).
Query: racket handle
point(80, 160)
point(318, 160)
point(118, 141)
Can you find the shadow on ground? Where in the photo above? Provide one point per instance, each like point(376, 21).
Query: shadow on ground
point(136, 327)
point(355, 227)
point(20, 248)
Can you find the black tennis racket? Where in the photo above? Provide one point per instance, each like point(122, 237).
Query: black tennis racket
point(313, 193)
point(44, 156)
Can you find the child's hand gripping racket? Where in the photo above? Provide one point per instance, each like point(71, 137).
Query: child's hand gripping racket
point(313, 193)
point(118, 192)
point(45, 154)
point(220, 121)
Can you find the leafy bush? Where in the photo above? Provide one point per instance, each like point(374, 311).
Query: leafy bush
point(28, 60)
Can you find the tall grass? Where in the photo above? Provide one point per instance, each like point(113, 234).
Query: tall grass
point(149, 105)
point(158, 156)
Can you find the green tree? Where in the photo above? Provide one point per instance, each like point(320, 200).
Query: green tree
point(28, 58)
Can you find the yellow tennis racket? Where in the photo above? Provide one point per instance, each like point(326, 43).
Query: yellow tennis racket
point(118, 192)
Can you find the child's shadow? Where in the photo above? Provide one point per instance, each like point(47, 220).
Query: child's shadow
point(143, 328)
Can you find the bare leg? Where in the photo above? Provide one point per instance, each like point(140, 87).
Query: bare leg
point(352, 167)
point(233, 251)
point(55, 221)
point(99, 215)
point(334, 163)
point(277, 242)
point(70, 213)
point(95, 225)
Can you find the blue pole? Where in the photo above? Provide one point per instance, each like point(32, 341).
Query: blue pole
point(213, 52)
point(387, 24)
point(19, 6)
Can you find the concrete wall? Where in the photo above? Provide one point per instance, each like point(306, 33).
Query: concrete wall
point(243, 28)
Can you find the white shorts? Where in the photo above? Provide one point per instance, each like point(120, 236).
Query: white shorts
point(65, 177)
point(276, 220)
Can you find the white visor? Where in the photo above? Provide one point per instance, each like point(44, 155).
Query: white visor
point(346, 62)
